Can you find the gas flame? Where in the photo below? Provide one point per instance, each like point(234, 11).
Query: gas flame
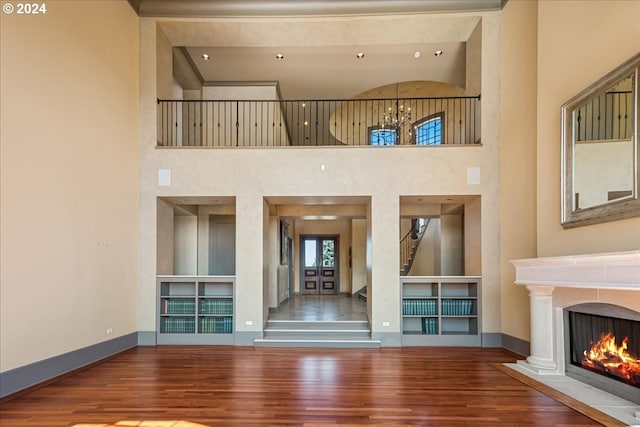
point(606, 356)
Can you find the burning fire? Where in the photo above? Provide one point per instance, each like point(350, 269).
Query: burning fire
point(606, 356)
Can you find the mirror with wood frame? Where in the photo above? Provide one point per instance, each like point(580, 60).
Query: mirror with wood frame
point(600, 150)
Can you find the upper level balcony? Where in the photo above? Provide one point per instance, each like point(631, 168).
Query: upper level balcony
point(450, 120)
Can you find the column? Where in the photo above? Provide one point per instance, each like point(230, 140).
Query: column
point(250, 314)
point(540, 301)
point(384, 229)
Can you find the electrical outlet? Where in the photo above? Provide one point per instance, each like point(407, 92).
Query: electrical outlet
point(109, 331)
point(385, 323)
point(248, 322)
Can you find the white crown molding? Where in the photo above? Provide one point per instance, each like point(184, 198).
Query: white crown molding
point(254, 8)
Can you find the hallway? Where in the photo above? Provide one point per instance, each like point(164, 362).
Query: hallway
point(321, 308)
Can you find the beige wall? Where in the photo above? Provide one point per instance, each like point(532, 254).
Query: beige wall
point(165, 65)
point(518, 157)
point(358, 254)
point(69, 164)
point(185, 244)
point(451, 245)
point(473, 236)
point(578, 42)
point(474, 61)
point(165, 238)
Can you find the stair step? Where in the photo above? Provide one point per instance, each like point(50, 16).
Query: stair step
point(328, 343)
point(319, 331)
point(318, 325)
point(316, 335)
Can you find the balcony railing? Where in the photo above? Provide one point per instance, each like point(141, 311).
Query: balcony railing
point(267, 123)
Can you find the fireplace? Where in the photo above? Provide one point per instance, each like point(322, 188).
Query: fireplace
point(604, 285)
point(602, 348)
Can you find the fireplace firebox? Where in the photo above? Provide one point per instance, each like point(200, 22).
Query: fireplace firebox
point(602, 348)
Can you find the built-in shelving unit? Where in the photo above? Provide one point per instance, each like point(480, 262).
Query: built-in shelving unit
point(195, 309)
point(441, 310)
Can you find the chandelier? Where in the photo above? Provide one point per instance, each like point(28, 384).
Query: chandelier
point(396, 117)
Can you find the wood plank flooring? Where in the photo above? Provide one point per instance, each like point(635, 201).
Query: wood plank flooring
point(228, 386)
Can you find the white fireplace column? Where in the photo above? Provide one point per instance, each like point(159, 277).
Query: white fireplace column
point(542, 336)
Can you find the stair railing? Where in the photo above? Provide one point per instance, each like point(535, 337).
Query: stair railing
point(312, 123)
point(410, 242)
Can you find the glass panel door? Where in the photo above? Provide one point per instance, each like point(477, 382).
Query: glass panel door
point(319, 265)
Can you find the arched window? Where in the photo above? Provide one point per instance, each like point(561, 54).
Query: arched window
point(429, 131)
point(382, 136)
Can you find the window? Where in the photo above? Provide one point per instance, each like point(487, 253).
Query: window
point(382, 136)
point(428, 131)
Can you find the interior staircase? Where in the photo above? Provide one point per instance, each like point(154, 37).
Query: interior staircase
point(317, 333)
point(408, 248)
point(409, 244)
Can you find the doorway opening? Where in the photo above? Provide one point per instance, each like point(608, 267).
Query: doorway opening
point(319, 265)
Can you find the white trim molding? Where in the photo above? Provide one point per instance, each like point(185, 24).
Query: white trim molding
point(236, 8)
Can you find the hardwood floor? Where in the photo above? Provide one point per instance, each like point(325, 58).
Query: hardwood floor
point(219, 385)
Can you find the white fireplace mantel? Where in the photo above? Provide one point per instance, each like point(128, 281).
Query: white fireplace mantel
point(615, 271)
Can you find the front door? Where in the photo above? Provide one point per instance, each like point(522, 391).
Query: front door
point(319, 264)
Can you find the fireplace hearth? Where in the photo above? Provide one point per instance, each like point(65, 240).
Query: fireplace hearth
point(603, 348)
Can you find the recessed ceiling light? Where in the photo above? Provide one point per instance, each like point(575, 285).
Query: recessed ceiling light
point(438, 53)
point(205, 56)
point(360, 55)
point(417, 54)
point(279, 56)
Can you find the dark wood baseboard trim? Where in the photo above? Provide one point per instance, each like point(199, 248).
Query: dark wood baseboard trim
point(568, 401)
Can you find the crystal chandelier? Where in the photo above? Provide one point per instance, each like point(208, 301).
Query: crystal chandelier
point(396, 117)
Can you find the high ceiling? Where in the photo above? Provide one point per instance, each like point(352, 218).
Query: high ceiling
point(319, 62)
